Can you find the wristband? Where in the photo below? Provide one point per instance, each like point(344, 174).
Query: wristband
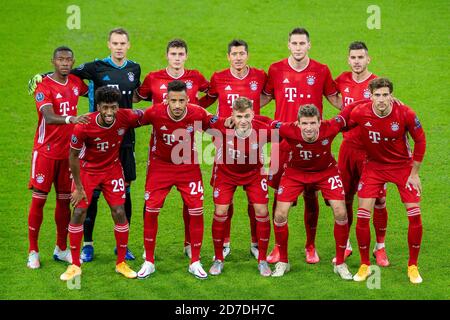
point(68, 119)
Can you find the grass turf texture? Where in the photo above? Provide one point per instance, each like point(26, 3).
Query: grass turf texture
point(411, 48)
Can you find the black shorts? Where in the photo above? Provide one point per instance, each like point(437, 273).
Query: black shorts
point(128, 161)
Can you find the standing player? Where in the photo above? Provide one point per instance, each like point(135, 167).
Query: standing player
point(240, 80)
point(384, 126)
point(293, 82)
point(154, 88)
point(239, 162)
point(353, 86)
point(312, 164)
point(56, 103)
point(173, 162)
point(94, 162)
point(118, 72)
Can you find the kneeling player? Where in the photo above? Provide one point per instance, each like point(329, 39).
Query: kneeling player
point(312, 165)
point(239, 162)
point(96, 145)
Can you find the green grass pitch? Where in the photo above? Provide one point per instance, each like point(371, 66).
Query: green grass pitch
point(411, 47)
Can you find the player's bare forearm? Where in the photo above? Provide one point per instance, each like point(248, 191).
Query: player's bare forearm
point(265, 99)
point(414, 179)
point(335, 100)
point(136, 97)
point(206, 101)
point(74, 163)
point(53, 118)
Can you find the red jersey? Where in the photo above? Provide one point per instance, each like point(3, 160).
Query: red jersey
point(352, 91)
point(227, 87)
point(292, 88)
point(311, 156)
point(52, 140)
point(173, 140)
point(155, 85)
point(385, 138)
point(100, 145)
point(240, 157)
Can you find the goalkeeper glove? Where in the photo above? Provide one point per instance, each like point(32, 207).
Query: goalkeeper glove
point(33, 82)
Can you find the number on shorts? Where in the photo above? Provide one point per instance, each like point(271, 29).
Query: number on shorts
point(119, 185)
point(335, 182)
point(196, 188)
point(264, 184)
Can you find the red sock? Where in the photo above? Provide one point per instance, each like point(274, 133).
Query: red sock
point(150, 231)
point(311, 216)
point(121, 231)
point(187, 238)
point(35, 217)
point(251, 217)
point(263, 235)
point(218, 230)
point(363, 234)
point(62, 219)
point(196, 232)
point(75, 236)
point(414, 234)
point(340, 237)
point(227, 230)
point(281, 238)
point(380, 221)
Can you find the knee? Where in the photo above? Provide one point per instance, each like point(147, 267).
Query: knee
point(118, 214)
point(78, 216)
point(340, 213)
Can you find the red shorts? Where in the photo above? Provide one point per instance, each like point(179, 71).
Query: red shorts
point(162, 176)
point(111, 182)
point(351, 163)
point(294, 182)
point(45, 171)
point(279, 159)
point(225, 185)
point(373, 179)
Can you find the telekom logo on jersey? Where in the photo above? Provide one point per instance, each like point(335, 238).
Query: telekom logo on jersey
point(291, 93)
point(64, 107)
point(374, 136)
point(305, 154)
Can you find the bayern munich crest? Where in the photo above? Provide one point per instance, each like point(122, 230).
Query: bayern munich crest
point(190, 128)
point(121, 131)
point(366, 94)
point(75, 91)
point(325, 142)
point(131, 76)
point(216, 193)
point(310, 80)
point(254, 146)
point(40, 178)
point(360, 185)
point(189, 84)
point(146, 196)
point(394, 126)
point(74, 139)
point(280, 190)
point(254, 85)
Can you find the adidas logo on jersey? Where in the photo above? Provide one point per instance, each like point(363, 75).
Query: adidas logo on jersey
point(106, 78)
point(163, 128)
point(228, 88)
point(97, 139)
point(347, 90)
point(58, 96)
point(286, 80)
point(368, 124)
point(163, 86)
